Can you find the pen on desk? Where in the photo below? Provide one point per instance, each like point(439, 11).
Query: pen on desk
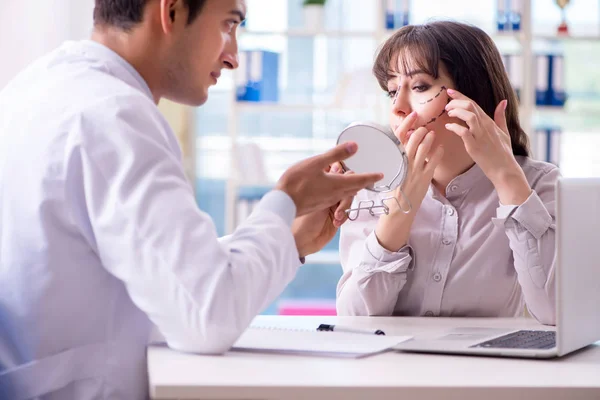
point(336, 328)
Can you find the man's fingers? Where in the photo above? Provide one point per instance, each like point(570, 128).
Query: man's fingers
point(340, 152)
point(340, 212)
point(340, 215)
point(336, 168)
point(356, 181)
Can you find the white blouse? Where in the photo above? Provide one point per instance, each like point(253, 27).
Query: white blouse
point(467, 255)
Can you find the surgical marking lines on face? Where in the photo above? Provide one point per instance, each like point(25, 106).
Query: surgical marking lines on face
point(436, 96)
point(429, 101)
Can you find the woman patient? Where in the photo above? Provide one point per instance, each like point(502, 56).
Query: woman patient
point(479, 241)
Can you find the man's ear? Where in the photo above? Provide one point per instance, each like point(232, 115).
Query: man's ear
point(169, 11)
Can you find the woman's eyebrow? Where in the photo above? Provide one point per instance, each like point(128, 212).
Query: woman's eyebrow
point(415, 72)
point(410, 74)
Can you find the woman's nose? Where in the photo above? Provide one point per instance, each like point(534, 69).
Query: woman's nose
point(400, 105)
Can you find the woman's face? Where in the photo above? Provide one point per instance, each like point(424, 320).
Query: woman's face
point(418, 91)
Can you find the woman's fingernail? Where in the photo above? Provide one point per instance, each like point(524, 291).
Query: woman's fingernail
point(505, 104)
point(450, 91)
point(335, 168)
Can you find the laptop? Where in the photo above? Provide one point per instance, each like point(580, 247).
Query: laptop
point(577, 274)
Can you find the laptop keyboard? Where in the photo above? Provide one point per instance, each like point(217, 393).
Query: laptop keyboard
point(522, 340)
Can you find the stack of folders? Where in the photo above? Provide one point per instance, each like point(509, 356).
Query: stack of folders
point(548, 144)
point(550, 88)
point(300, 341)
point(257, 78)
point(549, 77)
point(513, 65)
point(397, 14)
point(509, 14)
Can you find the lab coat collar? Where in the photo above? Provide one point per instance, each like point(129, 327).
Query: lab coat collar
point(114, 62)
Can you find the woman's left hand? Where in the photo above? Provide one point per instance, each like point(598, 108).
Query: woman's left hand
point(488, 143)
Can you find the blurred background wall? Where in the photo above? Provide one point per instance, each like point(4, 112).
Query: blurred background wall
point(303, 78)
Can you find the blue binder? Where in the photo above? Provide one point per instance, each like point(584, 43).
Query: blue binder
point(514, 14)
point(259, 71)
point(512, 64)
point(542, 87)
point(549, 144)
point(550, 90)
point(397, 13)
point(508, 17)
point(557, 95)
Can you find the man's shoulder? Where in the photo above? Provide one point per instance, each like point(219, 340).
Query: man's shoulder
point(62, 84)
point(85, 99)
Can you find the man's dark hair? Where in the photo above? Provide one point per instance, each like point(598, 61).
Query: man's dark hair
point(125, 14)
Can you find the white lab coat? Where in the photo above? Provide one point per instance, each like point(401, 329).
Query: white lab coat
point(101, 238)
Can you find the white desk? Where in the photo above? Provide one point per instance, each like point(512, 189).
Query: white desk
point(391, 375)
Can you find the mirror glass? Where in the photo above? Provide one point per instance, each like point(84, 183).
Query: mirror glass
point(379, 151)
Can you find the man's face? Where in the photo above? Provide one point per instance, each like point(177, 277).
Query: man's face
point(202, 49)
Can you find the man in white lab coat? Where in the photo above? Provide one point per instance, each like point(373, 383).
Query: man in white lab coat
point(100, 235)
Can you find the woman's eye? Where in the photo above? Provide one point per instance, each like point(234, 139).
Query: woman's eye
point(421, 88)
point(391, 94)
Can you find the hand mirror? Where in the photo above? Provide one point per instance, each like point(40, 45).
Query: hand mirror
point(379, 151)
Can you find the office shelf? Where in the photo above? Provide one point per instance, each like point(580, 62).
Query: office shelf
point(311, 33)
point(332, 108)
point(283, 107)
point(567, 38)
point(550, 109)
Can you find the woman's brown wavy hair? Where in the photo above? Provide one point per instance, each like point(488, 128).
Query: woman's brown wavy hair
point(471, 59)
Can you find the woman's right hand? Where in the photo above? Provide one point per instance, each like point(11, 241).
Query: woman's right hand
point(393, 229)
point(423, 159)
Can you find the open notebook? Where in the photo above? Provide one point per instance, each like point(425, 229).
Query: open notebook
point(284, 340)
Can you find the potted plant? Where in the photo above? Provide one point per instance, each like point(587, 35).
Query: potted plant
point(314, 14)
